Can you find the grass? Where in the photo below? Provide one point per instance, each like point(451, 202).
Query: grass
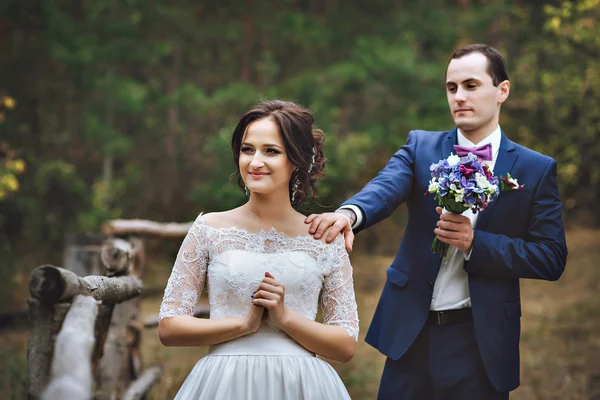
point(560, 342)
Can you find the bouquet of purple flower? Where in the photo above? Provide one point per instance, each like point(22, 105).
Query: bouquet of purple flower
point(461, 184)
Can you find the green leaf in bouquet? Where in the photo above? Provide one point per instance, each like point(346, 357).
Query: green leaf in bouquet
point(450, 205)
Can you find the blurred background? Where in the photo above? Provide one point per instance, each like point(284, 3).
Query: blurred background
point(124, 109)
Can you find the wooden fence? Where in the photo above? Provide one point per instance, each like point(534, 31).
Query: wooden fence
point(84, 319)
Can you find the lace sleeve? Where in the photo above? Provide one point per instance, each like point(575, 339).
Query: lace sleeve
point(337, 298)
point(188, 275)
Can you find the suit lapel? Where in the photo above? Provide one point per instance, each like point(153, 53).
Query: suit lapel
point(448, 144)
point(504, 164)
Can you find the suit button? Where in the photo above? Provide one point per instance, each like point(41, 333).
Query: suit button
point(431, 284)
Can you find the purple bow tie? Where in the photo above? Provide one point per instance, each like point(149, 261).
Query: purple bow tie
point(482, 152)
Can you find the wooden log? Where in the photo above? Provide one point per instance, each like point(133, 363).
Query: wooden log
point(123, 257)
point(201, 311)
point(121, 362)
point(116, 254)
point(142, 385)
point(105, 312)
point(134, 339)
point(46, 321)
point(140, 227)
point(115, 289)
point(114, 373)
point(52, 284)
point(138, 260)
point(72, 365)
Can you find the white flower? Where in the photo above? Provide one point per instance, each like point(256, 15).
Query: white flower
point(459, 195)
point(482, 181)
point(433, 185)
point(453, 160)
point(513, 181)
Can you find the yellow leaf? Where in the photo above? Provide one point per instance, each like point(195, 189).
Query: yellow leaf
point(19, 166)
point(555, 23)
point(11, 183)
point(9, 102)
point(588, 5)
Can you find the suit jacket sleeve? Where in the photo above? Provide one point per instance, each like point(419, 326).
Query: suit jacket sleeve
point(392, 186)
point(540, 254)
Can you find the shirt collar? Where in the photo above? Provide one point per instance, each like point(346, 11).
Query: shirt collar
point(494, 139)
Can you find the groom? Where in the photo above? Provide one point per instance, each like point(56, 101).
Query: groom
point(450, 327)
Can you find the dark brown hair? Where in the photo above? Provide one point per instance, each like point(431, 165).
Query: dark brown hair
point(496, 67)
point(301, 140)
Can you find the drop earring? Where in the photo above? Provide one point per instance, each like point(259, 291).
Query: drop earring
point(295, 187)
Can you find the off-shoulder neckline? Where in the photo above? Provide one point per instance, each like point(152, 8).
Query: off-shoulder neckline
point(270, 232)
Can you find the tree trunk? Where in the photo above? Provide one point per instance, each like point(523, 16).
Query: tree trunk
point(247, 43)
point(170, 183)
point(107, 178)
point(72, 364)
point(108, 160)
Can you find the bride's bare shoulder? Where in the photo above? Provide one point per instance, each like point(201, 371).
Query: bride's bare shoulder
point(222, 219)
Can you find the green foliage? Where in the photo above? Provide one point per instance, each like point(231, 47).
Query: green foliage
point(14, 374)
point(216, 192)
point(54, 196)
point(558, 105)
point(126, 107)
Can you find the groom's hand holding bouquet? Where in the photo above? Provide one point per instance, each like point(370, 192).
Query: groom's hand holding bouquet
point(461, 184)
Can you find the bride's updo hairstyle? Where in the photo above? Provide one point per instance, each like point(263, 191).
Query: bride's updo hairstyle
point(303, 144)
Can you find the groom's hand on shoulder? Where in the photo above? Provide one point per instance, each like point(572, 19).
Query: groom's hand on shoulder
point(456, 230)
point(333, 223)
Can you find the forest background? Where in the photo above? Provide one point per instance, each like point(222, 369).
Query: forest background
point(124, 109)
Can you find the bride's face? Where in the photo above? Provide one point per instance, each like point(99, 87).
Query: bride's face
point(264, 165)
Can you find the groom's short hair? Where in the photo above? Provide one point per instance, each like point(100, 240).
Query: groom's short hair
point(496, 64)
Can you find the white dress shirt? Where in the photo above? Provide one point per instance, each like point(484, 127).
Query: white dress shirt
point(451, 288)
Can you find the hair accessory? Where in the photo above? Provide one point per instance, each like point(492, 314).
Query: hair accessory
point(312, 162)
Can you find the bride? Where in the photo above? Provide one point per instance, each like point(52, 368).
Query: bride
point(265, 275)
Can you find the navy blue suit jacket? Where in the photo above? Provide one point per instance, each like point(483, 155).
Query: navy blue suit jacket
point(520, 235)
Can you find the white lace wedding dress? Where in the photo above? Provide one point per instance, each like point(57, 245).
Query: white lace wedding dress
point(268, 364)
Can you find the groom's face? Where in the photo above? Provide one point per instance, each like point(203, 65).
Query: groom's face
point(473, 99)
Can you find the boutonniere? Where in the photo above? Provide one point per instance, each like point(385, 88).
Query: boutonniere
point(509, 183)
